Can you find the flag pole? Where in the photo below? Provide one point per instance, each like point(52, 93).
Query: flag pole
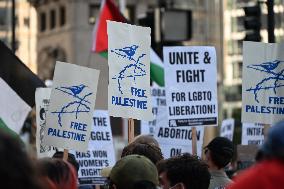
point(130, 130)
point(194, 141)
point(65, 155)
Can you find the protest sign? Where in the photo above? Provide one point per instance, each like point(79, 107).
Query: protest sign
point(191, 86)
point(42, 97)
point(100, 152)
point(70, 114)
point(158, 95)
point(252, 134)
point(262, 86)
point(129, 71)
point(175, 139)
point(170, 149)
point(227, 129)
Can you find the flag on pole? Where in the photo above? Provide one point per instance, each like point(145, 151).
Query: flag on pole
point(109, 11)
point(18, 84)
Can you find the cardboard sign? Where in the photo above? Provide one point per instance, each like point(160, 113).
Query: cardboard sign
point(191, 86)
point(174, 140)
point(129, 71)
point(42, 99)
point(70, 114)
point(158, 95)
point(100, 153)
point(263, 84)
point(227, 129)
point(252, 134)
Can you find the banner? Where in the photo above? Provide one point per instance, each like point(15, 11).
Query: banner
point(100, 153)
point(263, 86)
point(191, 86)
point(129, 71)
point(158, 95)
point(252, 134)
point(176, 140)
point(42, 99)
point(70, 114)
point(227, 129)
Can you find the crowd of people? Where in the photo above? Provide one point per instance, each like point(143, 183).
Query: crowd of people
point(142, 166)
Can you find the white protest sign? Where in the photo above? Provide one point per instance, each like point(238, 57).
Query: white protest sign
point(227, 129)
point(191, 85)
point(174, 140)
point(129, 71)
point(100, 153)
point(263, 83)
point(158, 95)
point(170, 150)
point(252, 134)
point(70, 113)
point(42, 96)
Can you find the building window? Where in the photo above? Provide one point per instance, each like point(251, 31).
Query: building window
point(27, 22)
point(62, 16)
point(42, 22)
point(52, 19)
point(94, 10)
point(237, 70)
point(3, 17)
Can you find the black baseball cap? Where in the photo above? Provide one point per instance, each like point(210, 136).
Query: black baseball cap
point(221, 146)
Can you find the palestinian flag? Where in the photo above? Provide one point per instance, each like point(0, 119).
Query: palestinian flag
point(109, 11)
point(18, 84)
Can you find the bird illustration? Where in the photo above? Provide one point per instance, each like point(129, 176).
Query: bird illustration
point(75, 89)
point(129, 52)
point(266, 66)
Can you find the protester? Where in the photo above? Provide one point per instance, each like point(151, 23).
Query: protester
point(183, 172)
point(146, 139)
point(71, 159)
point(268, 172)
point(57, 174)
point(133, 172)
point(218, 154)
point(148, 150)
point(16, 170)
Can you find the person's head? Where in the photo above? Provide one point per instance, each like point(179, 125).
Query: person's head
point(146, 139)
point(16, 170)
point(219, 152)
point(133, 172)
point(273, 147)
point(57, 173)
point(71, 159)
point(183, 172)
point(150, 151)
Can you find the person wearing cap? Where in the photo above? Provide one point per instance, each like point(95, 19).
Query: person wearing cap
point(183, 172)
point(218, 154)
point(268, 172)
point(133, 172)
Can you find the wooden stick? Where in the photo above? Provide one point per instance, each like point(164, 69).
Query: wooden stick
point(194, 141)
point(130, 130)
point(65, 155)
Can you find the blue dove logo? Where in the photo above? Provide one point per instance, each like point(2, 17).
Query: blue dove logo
point(79, 104)
point(134, 69)
point(274, 76)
